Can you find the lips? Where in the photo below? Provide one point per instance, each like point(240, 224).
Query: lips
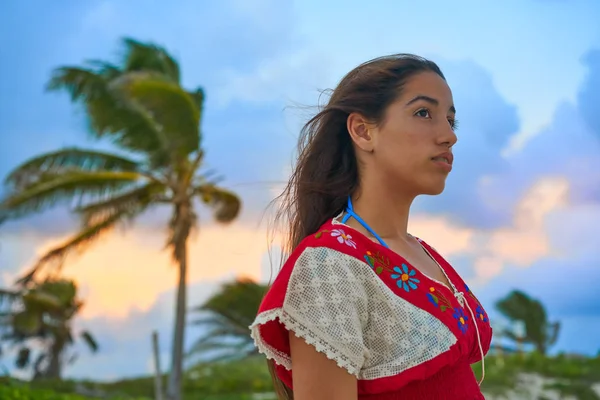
point(445, 157)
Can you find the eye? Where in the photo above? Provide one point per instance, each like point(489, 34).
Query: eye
point(423, 113)
point(453, 123)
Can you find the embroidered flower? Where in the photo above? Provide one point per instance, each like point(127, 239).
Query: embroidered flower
point(459, 315)
point(378, 262)
point(404, 278)
point(481, 314)
point(342, 237)
point(433, 298)
point(370, 259)
point(438, 299)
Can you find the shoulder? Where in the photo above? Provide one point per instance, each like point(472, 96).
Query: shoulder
point(329, 255)
point(320, 296)
point(332, 236)
point(332, 244)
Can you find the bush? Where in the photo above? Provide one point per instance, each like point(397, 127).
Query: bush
point(11, 392)
point(15, 390)
point(238, 380)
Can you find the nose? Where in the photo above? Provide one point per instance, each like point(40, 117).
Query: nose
point(448, 137)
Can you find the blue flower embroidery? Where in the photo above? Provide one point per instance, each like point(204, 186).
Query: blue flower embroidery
point(404, 278)
point(461, 318)
point(433, 299)
point(481, 314)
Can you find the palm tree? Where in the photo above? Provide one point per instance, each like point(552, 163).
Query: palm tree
point(519, 307)
point(227, 316)
point(43, 313)
point(140, 105)
point(7, 300)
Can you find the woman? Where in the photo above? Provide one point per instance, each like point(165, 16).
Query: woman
point(361, 309)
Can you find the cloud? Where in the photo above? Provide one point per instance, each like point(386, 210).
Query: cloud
point(483, 254)
point(128, 282)
point(486, 122)
point(567, 288)
point(125, 343)
point(108, 270)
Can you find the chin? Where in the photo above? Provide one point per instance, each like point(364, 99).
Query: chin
point(434, 190)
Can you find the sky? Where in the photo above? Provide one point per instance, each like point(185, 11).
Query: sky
point(522, 205)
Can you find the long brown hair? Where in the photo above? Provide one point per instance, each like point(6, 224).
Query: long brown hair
point(327, 172)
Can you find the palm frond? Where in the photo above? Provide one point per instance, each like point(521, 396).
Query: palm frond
point(89, 340)
point(138, 197)
point(52, 189)
point(67, 159)
point(149, 57)
point(27, 322)
point(225, 203)
point(170, 107)
point(109, 114)
point(54, 258)
point(198, 95)
point(233, 308)
point(218, 343)
point(227, 321)
point(226, 332)
point(225, 351)
point(81, 83)
point(41, 300)
point(23, 357)
point(105, 69)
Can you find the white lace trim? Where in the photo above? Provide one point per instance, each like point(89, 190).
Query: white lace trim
point(339, 305)
point(301, 331)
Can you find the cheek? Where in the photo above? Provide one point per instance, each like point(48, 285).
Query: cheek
point(405, 145)
point(397, 157)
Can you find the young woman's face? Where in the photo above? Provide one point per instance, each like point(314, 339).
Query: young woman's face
point(411, 148)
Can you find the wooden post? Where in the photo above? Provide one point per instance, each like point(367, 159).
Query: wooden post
point(158, 392)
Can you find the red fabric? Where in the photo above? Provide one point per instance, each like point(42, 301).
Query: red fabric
point(447, 376)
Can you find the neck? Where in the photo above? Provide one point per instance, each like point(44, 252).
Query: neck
point(385, 212)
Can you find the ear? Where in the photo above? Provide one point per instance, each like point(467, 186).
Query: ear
point(361, 132)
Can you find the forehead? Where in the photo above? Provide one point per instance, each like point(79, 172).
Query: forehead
point(427, 84)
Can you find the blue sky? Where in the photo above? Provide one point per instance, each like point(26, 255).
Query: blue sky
point(522, 207)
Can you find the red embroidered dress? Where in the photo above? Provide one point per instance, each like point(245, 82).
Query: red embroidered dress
point(402, 334)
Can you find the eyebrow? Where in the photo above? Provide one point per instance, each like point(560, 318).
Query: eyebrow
point(429, 100)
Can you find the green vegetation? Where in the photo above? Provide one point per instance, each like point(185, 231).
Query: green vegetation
point(571, 375)
point(25, 393)
point(238, 380)
point(227, 316)
point(216, 381)
point(539, 332)
point(139, 105)
point(42, 313)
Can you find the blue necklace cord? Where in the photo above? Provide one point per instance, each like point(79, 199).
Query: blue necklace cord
point(350, 213)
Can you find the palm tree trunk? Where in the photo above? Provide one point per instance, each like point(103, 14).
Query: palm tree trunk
point(54, 370)
point(182, 228)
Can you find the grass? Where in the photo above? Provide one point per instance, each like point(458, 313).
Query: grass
point(239, 380)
